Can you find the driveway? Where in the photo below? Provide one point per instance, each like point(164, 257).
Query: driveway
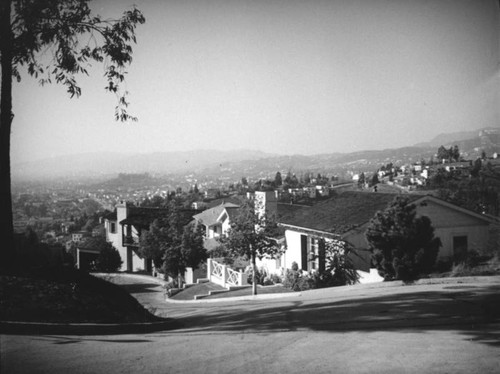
point(450, 327)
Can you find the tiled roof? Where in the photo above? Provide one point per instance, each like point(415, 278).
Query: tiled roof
point(209, 216)
point(341, 213)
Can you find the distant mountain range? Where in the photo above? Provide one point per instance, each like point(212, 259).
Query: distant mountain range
point(248, 162)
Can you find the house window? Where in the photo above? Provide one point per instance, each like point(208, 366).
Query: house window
point(313, 254)
point(278, 262)
point(112, 227)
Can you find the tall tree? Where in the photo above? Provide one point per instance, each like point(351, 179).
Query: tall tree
point(278, 181)
point(403, 245)
point(73, 38)
point(456, 153)
point(252, 235)
point(361, 180)
point(442, 154)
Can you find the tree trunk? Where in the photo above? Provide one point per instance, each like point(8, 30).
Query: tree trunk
point(6, 224)
point(254, 276)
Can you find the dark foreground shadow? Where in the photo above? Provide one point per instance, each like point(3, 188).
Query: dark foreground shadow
point(461, 309)
point(140, 287)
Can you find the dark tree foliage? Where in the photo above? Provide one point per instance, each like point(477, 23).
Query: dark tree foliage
point(361, 180)
point(154, 202)
point(54, 41)
point(152, 241)
point(172, 245)
point(451, 154)
point(339, 269)
point(403, 245)
point(278, 181)
point(479, 191)
point(109, 259)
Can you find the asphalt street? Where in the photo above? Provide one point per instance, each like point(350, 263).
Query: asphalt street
point(447, 326)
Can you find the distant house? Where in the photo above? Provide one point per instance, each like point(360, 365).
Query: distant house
point(78, 236)
point(99, 231)
point(216, 222)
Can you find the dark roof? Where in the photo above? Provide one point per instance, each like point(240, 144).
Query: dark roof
point(229, 199)
point(341, 213)
point(92, 244)
point(110, 216)
point(232, 212)
point(143, 217)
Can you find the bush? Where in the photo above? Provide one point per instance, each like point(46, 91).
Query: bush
point(443, 265)
point(109, 259)
point(276, 279)
point(473, 258)
point(262, 277)
point(296, 281)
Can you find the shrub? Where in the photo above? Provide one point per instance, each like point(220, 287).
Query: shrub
point(296, 281)
point(109, 259)
point(276, 279)
point(443, 265)
point(291, 278)
point(404, 246)
point(262, 277)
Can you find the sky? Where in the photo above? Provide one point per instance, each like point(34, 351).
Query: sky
point(286, 77)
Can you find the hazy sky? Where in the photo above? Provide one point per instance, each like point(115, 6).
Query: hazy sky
point(291, 77)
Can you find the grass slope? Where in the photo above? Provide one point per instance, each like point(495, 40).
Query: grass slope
point(68, 297)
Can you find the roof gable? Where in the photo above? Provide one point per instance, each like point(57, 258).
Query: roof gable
point(210, 216)
point(472, 216)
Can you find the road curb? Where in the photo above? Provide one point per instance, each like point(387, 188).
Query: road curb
point(38, 328)
point(269, 296)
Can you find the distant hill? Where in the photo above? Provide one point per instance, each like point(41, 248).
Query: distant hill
point(235, 164)
point(109, 163)
point(450, 139)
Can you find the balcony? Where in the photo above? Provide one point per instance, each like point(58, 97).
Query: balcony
point(131, 241)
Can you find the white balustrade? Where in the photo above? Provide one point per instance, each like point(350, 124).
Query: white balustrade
point(224, 275)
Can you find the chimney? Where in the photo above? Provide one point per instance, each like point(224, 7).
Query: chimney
point(265, 201)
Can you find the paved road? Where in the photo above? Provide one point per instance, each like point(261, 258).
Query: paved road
point(441, 328)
